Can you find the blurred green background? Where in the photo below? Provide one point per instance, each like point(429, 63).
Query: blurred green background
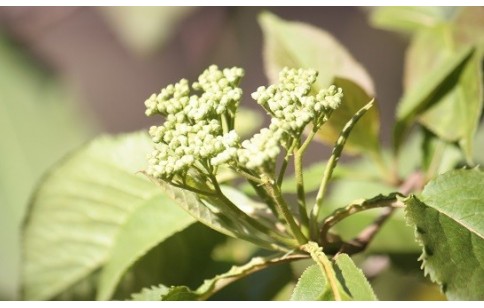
point(70, 73)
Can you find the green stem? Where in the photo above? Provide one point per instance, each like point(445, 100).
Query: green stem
point(298, 170)
point(332, 162)
point(266, 198)
point(282, 171)
point(285, 162)
point(193, 189)
point(282, 207)
point(211, 286)
point(356, 207)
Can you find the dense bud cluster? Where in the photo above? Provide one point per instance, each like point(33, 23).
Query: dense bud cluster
point(193, 128)
point(292, 108)
point(199, 128)
point(291, 103)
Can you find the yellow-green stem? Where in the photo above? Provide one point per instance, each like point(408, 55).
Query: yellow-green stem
point(282, 207)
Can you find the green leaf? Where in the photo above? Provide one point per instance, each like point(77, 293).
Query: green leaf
point(456, 116)
point(448, 219)
point(295, 44)
point(153, 293)
point(354, 280)
point(150, 224)
point(190, 249)
point(429, 91)
point(409, 19)
point(312, 286)
point(93, 209)
point(315, 283)
point(454, 113)
point(34, 104)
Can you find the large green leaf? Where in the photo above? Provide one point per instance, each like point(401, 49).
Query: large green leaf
point(449, 221)
point(296, 45)
point(90, 207)
point(409, 19)
point(34, 105)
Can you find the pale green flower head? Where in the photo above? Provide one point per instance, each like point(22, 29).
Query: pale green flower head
point(199, 125)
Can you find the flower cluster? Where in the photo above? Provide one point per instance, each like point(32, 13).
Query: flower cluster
point(290, 102)
point(193, 130)
point(199, 128)
point(292, 108)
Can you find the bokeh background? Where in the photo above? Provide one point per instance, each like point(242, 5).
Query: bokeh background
point(68, 74)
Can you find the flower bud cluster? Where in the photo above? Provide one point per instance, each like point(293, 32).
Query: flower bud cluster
point(292, 108)
point(193, 130)
point(290, 101)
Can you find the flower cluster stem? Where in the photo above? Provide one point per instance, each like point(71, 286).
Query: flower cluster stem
point(282, 207)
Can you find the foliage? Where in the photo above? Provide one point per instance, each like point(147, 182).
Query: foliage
point(100, 216)
point(29, 94)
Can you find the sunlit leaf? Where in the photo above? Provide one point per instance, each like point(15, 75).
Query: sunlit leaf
point(88, 208)
point(353, 279)
point(448, 218)
point(39, 122)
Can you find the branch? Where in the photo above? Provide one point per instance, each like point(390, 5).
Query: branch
point(362, 240)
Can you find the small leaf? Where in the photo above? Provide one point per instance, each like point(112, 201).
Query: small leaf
point(330, 280)
point(409, 19)
point(312, 286)
point(353, 279)
point(448, 219)
point(153, 293)
point(83, 211)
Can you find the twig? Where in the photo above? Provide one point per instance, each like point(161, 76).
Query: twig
point(362, 240)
